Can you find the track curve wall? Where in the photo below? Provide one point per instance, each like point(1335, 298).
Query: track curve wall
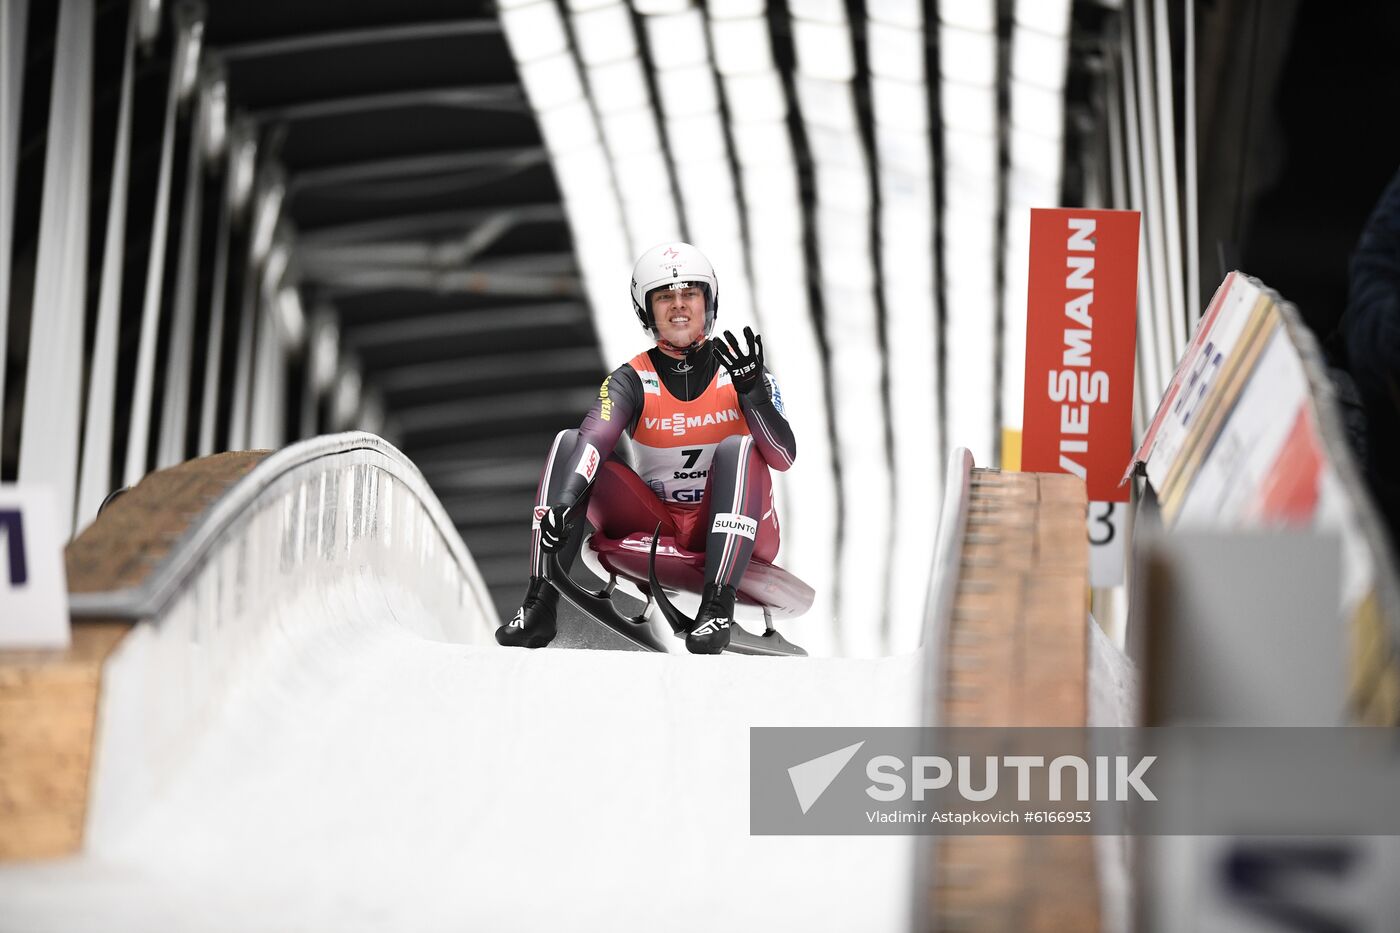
point(310, 727)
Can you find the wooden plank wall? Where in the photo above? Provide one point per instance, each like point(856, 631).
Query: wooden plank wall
point(1017, 655)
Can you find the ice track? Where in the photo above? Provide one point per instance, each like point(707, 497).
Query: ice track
point(378, 781)
point(354, 773)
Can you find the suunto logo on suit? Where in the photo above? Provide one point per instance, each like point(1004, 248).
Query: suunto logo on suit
point(734, 523)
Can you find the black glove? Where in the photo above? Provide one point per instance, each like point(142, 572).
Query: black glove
point(744, 368)
point(554, 528)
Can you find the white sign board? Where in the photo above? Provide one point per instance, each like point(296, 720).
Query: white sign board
point(33, 585)
point(1197, 375)
point(1108, 530)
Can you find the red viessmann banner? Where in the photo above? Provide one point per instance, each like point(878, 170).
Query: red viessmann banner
point(1081, 333)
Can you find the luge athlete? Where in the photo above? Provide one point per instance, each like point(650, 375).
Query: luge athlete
point(706, 422)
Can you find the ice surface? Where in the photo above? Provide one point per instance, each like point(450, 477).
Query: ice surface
point(363, 777)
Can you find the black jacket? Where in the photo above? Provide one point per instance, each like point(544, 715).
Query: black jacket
point(1371, 329)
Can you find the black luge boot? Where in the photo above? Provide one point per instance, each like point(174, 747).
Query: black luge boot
point(711, 632)
point(533, 623)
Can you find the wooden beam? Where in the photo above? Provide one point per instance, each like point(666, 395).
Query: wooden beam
point(1017, 655)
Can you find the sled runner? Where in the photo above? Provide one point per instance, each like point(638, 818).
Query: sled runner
point(660, 571)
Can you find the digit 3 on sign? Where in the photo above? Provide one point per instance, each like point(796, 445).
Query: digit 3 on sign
point(1101, 526)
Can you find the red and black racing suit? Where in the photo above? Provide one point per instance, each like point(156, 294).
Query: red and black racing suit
point(703, 452)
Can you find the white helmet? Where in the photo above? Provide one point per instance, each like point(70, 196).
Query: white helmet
point(667, 266)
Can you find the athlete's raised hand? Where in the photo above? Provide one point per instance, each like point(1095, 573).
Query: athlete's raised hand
point(744, 367)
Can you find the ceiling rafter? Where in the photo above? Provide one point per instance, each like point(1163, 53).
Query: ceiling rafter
point(480, 324)
point(441, 163)
point(563, 363)
point(449, 253)
point(351, 278)
point(444, 266)
point(373, 35)
point(408, 224)
point(515, 408)
point(473, 97)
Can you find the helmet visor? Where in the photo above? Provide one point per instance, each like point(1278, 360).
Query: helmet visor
point(676, 292)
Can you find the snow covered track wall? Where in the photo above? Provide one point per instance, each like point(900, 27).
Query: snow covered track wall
point(292, 553)
point(222, 562)
point(341, 489)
